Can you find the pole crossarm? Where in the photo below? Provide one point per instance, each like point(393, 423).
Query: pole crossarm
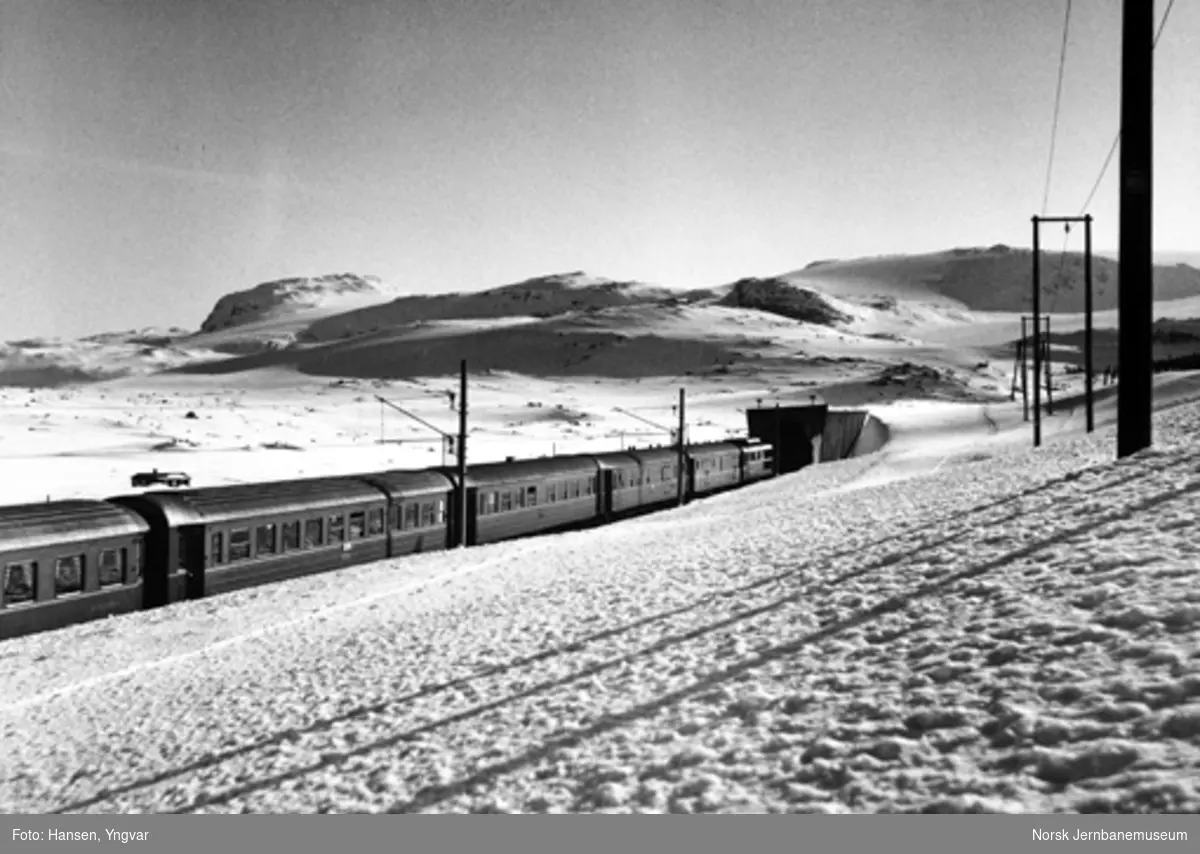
point(416, 418)
point(1082, 218)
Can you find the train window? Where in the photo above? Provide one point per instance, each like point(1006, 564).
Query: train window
point(109, 567)
point(337, 529)
point(427, 514)
point(264, 539)
point(134, 570)
point(620, 479)
point(665, 473)
point(520, 498)
point(397, 516)
point(574, 489)
point(20, 582)
point(440, 506)
point(68, 575)
point(412, 516)
point(358, 525)
point(531, 496)
point(506, 502)
point(215, 555)
point(375, 522)
point(482, 501)
point(493, 502)
point(291, 536)
point(588, 486)
point(552, 493)
point(239, 544)
point(312, 533)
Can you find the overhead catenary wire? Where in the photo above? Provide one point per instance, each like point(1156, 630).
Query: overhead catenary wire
point(1112, 150)
point(1062, 264)
point(1062, 61)
point(1117, 139)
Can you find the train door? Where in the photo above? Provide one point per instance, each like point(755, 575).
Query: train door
point(605, 493)
point(190, 557)
point(472, 498)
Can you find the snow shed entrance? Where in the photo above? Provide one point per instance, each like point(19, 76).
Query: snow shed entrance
point(803, 435)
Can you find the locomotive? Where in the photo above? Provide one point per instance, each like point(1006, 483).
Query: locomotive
point(68, 562)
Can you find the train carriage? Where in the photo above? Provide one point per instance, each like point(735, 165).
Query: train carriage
point(522, 497)
point(66, 562)
point(619, 484)
point(220, 539)
point(758, 462)
point(712, 467)
point(660, 476)
point(421, 516)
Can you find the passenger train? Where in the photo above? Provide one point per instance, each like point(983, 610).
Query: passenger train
point(67, 562)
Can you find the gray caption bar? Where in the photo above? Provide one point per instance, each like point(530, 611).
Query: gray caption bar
point(979, 834)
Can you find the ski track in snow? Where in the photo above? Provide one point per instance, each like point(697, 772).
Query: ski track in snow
point(1016, 634)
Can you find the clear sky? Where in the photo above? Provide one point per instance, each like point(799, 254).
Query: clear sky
point(156, 154)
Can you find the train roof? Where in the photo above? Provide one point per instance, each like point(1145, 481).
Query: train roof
point(31, 526)
point(241, 501)
point(617, 459)
point(488, 474)
point(400, 483)
point(652, 456)
point(713, 448)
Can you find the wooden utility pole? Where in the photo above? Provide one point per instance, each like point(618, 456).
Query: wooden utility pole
point(1047, 363)
point(1037, 336)
point(462, 455)
point(1087, 329)
point(680, 445)
point(1135, 361)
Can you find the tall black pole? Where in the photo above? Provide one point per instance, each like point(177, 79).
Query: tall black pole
point(1049, 369)
point(680, 446)
point(462, 455)
point(1023, 349)
point(1135, 364)
point(1087, 320)
point(1037, 339)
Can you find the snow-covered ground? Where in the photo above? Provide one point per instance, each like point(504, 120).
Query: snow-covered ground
point(969, 626)
point(86, 441)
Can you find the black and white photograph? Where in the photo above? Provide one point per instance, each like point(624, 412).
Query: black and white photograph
point(599, 406)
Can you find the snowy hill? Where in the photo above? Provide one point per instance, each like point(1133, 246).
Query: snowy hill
point(871, 313)
point(998, 278)
point(51, 363)
point(289, 295)
point(543, 296)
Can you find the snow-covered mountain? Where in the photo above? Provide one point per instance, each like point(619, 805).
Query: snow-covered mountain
point(269, 299)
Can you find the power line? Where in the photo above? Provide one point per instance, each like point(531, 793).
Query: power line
point(1117, 139)
point(1062, 61)
point(1062, 265)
